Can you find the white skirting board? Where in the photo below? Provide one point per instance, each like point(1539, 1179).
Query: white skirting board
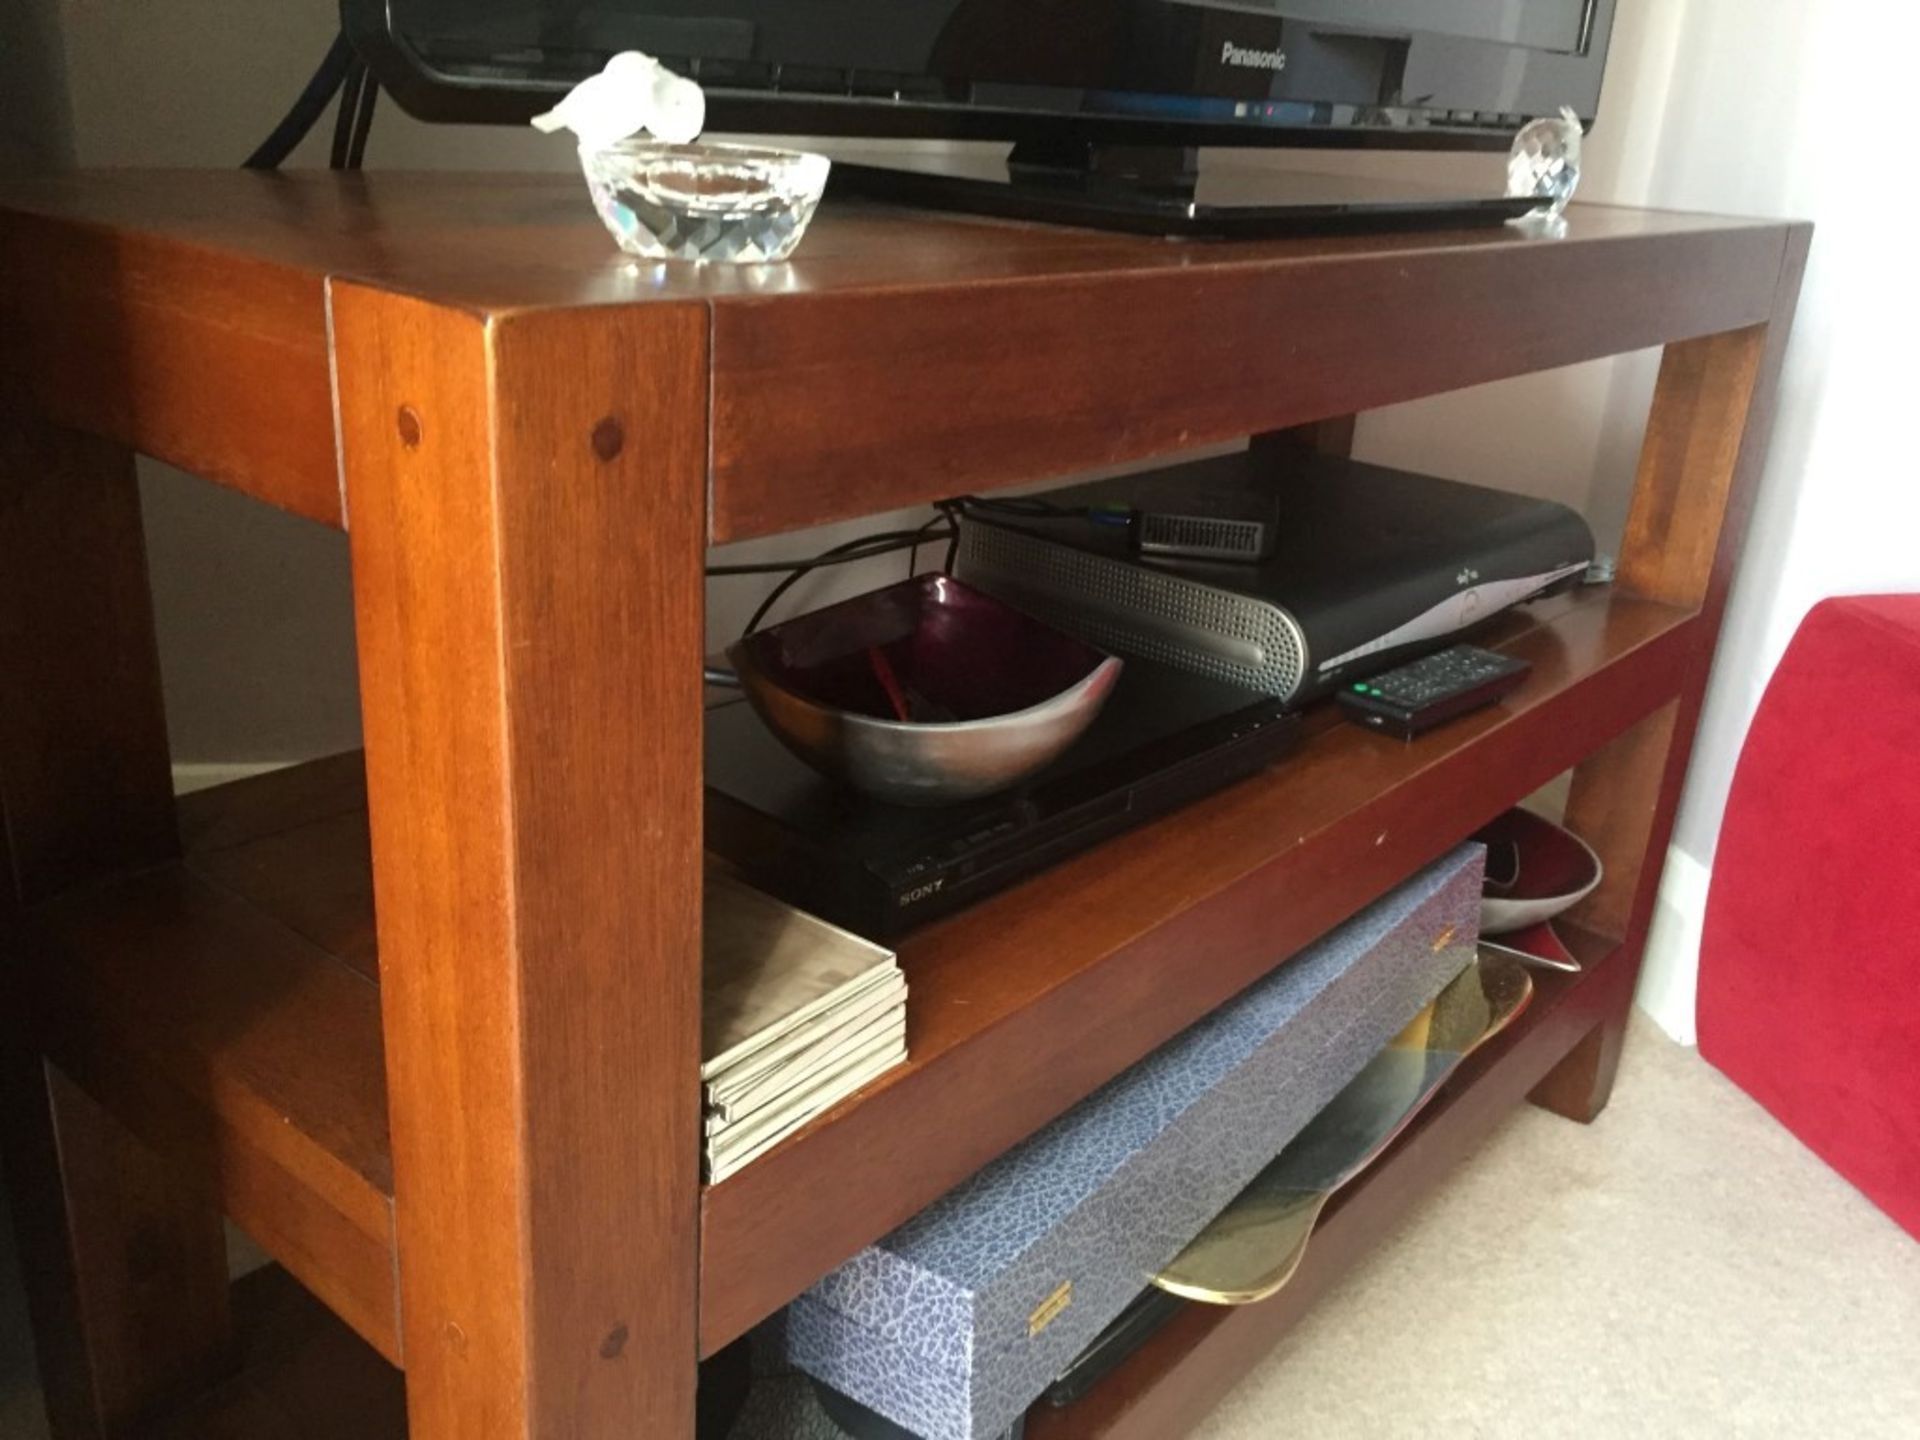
point(1670, 971)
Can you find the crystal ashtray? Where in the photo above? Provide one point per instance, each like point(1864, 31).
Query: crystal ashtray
point(732, 203)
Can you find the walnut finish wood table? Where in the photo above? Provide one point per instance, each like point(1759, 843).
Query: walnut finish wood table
point(471, 1129)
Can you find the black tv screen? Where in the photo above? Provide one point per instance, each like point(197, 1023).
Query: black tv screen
point(1252, 72)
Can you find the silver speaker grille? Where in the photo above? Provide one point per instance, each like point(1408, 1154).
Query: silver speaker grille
point(1138, 610)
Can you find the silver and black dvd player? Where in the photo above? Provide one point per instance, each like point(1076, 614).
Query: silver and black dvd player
point(1367, 566)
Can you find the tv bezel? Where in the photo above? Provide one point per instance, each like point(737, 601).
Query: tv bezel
point(446, 97)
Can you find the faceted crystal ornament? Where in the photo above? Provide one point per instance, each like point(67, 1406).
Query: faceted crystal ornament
point(1545, 161)
point(704, 202)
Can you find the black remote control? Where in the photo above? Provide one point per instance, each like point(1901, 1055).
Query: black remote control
point(1421, 695)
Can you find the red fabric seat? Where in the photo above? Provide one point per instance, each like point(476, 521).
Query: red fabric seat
point(1810, 962)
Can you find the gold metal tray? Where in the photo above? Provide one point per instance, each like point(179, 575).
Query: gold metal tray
point(1251, 1248)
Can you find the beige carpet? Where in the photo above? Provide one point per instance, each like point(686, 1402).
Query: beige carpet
point(1682, 1267)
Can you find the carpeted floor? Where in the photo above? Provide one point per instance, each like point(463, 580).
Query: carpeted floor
point(1681, 1268)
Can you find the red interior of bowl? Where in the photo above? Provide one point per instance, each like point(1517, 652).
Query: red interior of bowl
point(1529, 858)
point(930, 650)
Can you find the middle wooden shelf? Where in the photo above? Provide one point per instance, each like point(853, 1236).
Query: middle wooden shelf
point(231, 1006)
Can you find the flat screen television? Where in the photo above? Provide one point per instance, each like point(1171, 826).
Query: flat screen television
point(1105, 100)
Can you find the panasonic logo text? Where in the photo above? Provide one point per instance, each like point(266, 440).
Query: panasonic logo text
point(1232, 54)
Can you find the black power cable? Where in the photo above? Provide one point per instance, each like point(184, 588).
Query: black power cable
point(307, 110)
point(348, 115)
point(882, 545)
point(864, 548)
point(946, 519)
point(362, 122)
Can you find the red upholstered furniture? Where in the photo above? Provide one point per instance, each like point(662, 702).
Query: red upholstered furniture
point(1810, 967)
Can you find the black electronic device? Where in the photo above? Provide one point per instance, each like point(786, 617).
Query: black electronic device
point(1410, 699)
point(1164, 738)
point(1144, 1318)
point(1368, 566)
point(1107, 101)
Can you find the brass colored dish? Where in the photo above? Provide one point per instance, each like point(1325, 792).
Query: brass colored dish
point(1252, 1247)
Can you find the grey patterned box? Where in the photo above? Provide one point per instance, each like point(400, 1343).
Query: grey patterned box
point(954, 1324)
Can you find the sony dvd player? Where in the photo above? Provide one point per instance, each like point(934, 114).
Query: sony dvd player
point(1365, 566)
point(1163, 739)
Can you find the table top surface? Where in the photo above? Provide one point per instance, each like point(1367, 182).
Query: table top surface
point(504, 242)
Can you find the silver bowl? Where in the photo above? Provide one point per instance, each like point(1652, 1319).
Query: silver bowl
point(924, 693)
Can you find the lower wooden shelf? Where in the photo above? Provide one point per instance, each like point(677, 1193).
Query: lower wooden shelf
point(306, 1376)
point(216, 1007)
point(227, 1007)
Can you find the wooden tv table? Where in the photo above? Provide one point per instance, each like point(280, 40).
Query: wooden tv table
point(472, 1129)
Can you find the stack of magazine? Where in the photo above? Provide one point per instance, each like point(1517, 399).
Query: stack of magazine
point(798, 1014)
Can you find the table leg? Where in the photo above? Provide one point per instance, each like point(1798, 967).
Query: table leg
point(1706, 442)
point(125, 1268)
point(527, 505)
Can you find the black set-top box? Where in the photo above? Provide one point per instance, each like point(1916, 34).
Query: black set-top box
point(1358, 566)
